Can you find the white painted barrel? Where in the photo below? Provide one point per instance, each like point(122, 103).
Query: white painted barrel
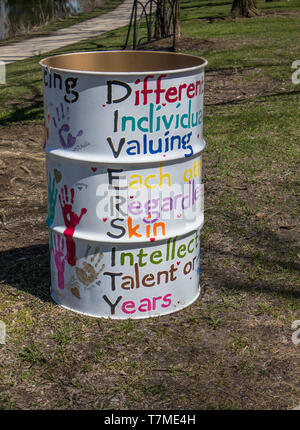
point(124, 142)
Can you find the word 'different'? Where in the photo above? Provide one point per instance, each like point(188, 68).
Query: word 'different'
point(161, 93)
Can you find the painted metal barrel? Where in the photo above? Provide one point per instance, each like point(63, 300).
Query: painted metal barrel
point(124, 142)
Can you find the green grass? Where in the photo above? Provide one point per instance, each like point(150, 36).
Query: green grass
point(267, 39)
point(203, 9)
point(32, 355)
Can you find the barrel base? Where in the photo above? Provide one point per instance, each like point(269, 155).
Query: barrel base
point(175, 309)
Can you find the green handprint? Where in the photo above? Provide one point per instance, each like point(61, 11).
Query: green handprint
point(52, 197)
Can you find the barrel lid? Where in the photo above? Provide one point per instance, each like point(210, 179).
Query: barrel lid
point(124, 62)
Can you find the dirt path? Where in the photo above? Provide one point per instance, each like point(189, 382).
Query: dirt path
point(119, 17)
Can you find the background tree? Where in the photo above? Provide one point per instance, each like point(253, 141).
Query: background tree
point(166, 17)
point(244, 8)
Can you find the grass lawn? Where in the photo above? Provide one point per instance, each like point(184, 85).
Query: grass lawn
point(232, 348)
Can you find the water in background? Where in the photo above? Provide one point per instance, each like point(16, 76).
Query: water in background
point(19, 16)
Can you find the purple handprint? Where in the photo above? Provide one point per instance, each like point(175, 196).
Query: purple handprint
point(67, 140)
point(60, 259)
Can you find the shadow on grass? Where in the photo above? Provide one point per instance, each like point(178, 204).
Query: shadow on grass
point(266, 287)
point(232, 280)
point(27, 110)
point(27, 269)
point(270, 267)
point(258, 99)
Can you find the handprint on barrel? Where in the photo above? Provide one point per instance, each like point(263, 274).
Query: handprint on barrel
point(59, 259)
point(71, 220)
point(67, 140)
point(52, 197)
point(90, 269)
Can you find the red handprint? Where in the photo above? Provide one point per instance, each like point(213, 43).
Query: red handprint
point(71, 221)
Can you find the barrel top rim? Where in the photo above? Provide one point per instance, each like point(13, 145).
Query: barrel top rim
point(202, 63)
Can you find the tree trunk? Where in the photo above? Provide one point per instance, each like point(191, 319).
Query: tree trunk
point(159, 24)
point(244, 8)
point(165, 14)
point(177, 24)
